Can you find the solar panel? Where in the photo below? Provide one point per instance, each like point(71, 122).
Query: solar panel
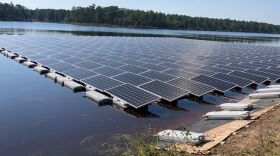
point(200, 71)
point(154, 67)
point(272, 77)
point(171, 65)
point(256, 78)
point(195, 88)
point(48, 61)
point(136, 97)
point(89, 65)
point(158, 76)
point(112, 63)
point(133, 69)
point(164, 90)
point(179, 73)
point(102, 82)
point(271, 71)
point(240, 82)
point(218, 84)
point(229, 67)
point(215, 69)
point(62, 66)
point(133, 62)
point(108, 71)
point(79, 73)
point(132, 79)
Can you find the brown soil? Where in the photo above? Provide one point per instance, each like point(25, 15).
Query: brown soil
point(262, 137)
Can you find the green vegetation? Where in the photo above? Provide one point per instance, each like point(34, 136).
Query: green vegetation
point(133, 18)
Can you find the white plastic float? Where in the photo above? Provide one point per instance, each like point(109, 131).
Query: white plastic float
point(236, 106)
point(119, 103)
point(265, 95)
point(183, 137)
point(52, 75)
point(11, 55)
point(98, 97)
point(227, 115)
point(273, 86)
point(268, 90)
point(61, 79)
point(20, 59)
point(29, 64)
point(76, 87)
point(41, 70)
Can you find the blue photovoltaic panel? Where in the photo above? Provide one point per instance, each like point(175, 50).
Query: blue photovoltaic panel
point(164, 90)
point(158, 76)
point(220, 85)
point(132, 79)
point(240, 82)
point(195, 88)
point(102, 82)
point(272, 77)
point(133, 69)
point(61, 67)
point(108, 71)
point(256, 78)
point(89, 65)
point(79, 73)
point(136, 97)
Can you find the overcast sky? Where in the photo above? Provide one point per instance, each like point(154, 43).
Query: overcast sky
point(252, 10)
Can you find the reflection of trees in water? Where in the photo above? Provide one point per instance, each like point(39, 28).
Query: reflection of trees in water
point(214, 37)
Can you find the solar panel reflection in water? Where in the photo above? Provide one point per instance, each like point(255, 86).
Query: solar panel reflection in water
point(195, 88)
point(240, 82)
point(218, 84)
point(136, 97)
point(164, 90)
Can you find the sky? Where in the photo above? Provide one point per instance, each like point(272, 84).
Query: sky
point(250, 10)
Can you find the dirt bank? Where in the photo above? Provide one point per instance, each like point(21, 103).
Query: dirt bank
point(262, 137)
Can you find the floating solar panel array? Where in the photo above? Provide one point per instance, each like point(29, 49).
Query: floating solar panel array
point(140, 70)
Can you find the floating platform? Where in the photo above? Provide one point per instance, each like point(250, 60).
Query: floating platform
point(20, 59)
point(29, 64)
point(41, 70)
point(265, 95)
point(61, 79)
point(99, 97)
point(227, 115)
point(236, 106)
point(74, 86)
point(273, 86)
point(268, 90)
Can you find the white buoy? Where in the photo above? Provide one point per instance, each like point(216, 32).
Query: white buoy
point(236, 106)
point(273, 86)
point(29, 64)
point(268, 90)
point(76, 87)
point(119, 103)
point(227, 115)
point(60, 79)
point(52, 75)
point(98, 97)
point(182, 137)
point(41, 70)
point(20, 59)
point(264, 95)
point(12, 55)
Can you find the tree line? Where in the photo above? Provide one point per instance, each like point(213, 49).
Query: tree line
point(114, 15)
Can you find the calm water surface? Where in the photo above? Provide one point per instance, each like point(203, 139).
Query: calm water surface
point(38, 116)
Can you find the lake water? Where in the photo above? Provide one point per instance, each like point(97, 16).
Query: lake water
point(39, 117)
